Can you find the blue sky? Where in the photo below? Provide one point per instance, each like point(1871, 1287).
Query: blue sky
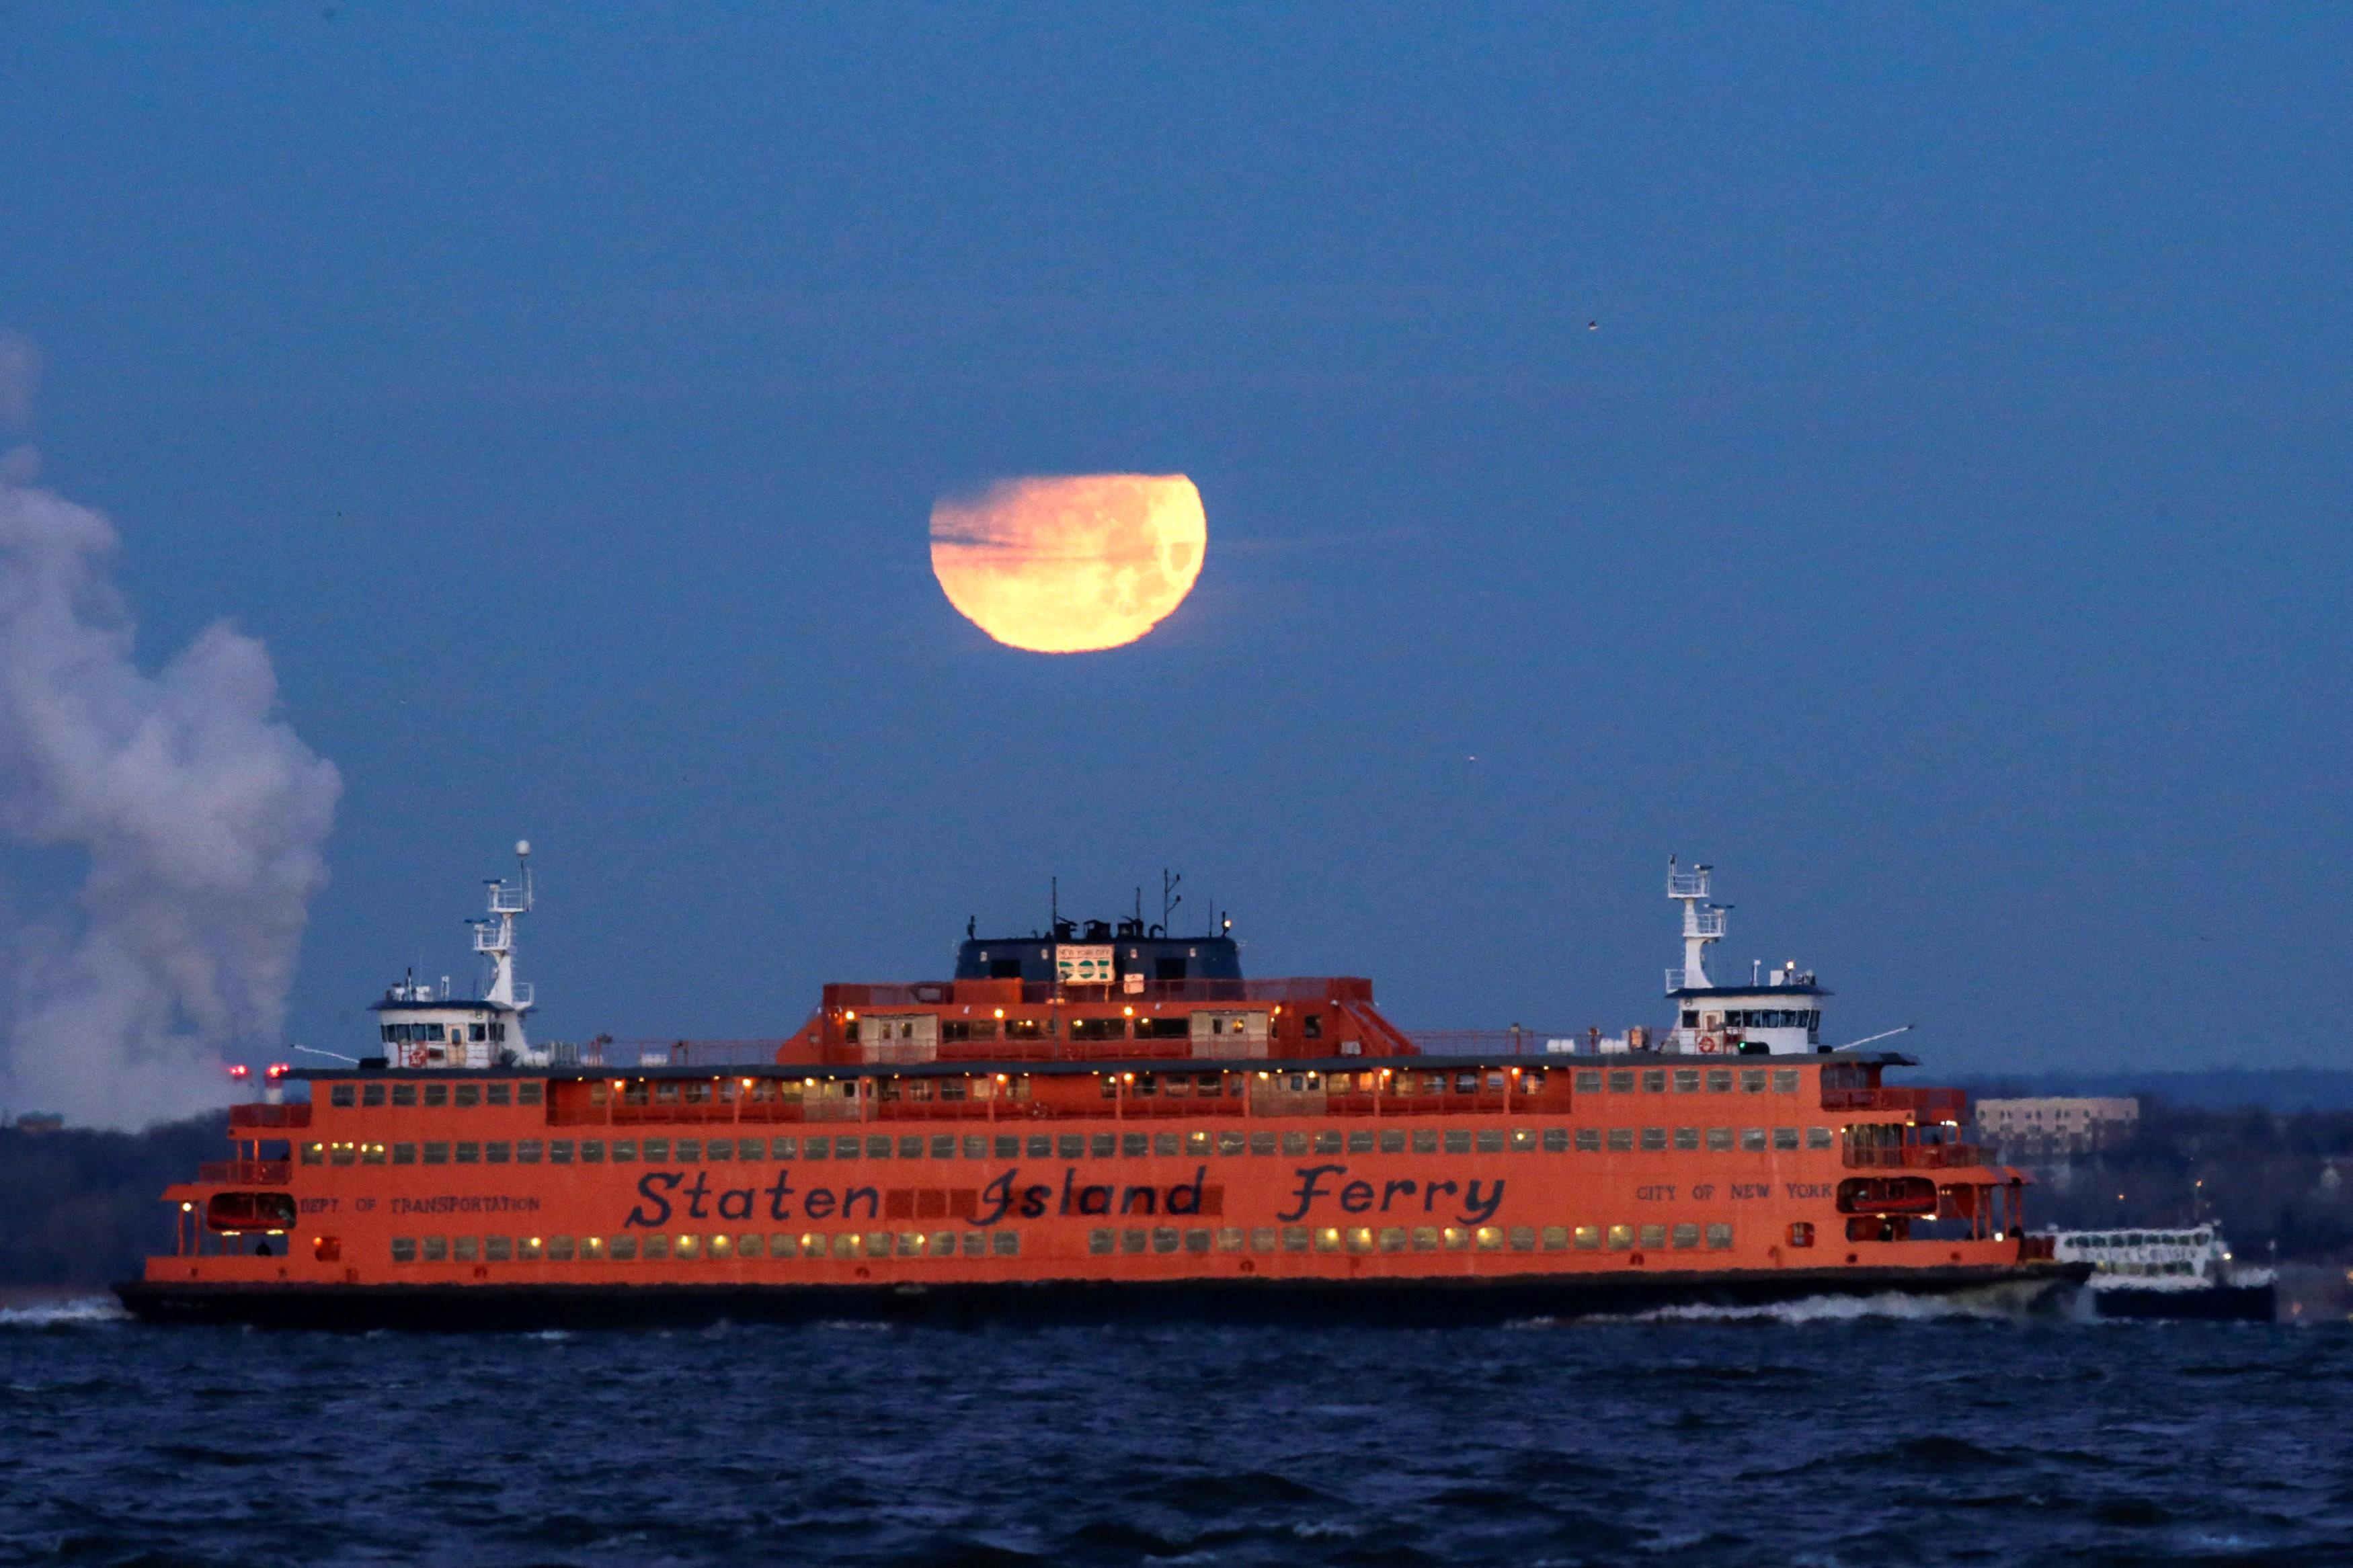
point(1943, 531)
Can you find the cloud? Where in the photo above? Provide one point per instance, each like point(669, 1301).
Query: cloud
point(201, 814)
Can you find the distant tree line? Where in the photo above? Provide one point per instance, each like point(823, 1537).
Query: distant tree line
point(89, 1205)
point(2268, 1176)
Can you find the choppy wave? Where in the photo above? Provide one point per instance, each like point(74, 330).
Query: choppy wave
point(1927, 1430)
point(77, 1312)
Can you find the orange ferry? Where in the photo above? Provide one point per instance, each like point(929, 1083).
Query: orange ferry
point(1094, 1120)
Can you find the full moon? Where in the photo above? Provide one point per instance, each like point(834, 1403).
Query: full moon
point(1073, 562)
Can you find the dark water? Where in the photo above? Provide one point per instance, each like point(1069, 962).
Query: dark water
point(1813, 1436)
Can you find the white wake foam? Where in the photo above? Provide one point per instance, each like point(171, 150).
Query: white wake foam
point(72, 1313)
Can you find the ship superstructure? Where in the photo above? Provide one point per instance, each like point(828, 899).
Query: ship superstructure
point(1095, 1117)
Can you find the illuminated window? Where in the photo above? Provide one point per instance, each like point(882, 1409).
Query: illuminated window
point(343, 1154)
point(721, 1248)
point(1588, 1237)
point(1621, 1238)
point(314, 1153)
point(1524, 1138)
point(592, 1248)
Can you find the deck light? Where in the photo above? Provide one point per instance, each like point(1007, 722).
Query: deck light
point(1001, 1078)
point(851, 1016)
point(1127, 1012)
point(1000, 1012)
point(1131, 1077)
point(187, 1208)
point(747, 1083)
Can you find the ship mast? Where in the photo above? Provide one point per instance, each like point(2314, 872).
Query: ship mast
point(495, 938)
point(1702, 923)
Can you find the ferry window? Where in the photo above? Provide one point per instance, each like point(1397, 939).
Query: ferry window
point(1262, 1238)
point(1524, 1238)
point(1785, 1137)
point(1686, 1137)
point(1621, 1080)
point(1261, 1143)
point(1752, 1138)
point(371, 1153)
point(436, 1249)
point(1133, 1144)
point(1425, 1142)
point(1686, 1236)
point(1719, 1237)
point(497, 1093)
point(719, 1148)
point(1687, 1080)
point(1210, 1083)
point(1328, 1240)
point(1392, 1142)
point(1719, 1080)
point(1023, 1028)
point(437, 1153)
point(525, 1093)
point(1589, 1139)
point(1098, 1028)
point(1653, 1236)
point(470, 1153)
point(1360, 1239)
point(1231, 1143)
point(314, 1153)
point(1294, 1238)
point(1197, 1241)
point(911, 1148)
point(1134, 1240)
point(1784, 1080)
point(477, 1032)
point(1556, 1238)
point(498, 1153)
point(625, 1150)
point(1719, 1136)
point(1622, 1138)
point(1295, 1142)
point(343, 1154)
point(1654, 1137)
point(1040, 1146)
point(1555, 1140)
point(469, 1249)
point(404, 1249)
point(845, 1148)
point(1494, 1080)
point(592, 1151)
point(403, 1094)
point(432, 1031)
point(1194, 1142)
point(1425, 1238)
point(1818, 1137)
point(1099, 1241)
point(436, 1094)
point(1691, 1018)
point(1466, 1083)
point(1588, 1237)
point(1327, 1143)
point(1360, 1143)
point(1490, 1140)
point(657, 1247)
point(665, 1094)
point(403, 1153)
point(1071, 1146)
point(1311, 1026)
point(976, 1244)
point(371, 1094)
point(879, 1148)
point(1458, 1143)
point(944, 1146)
point(1104, 1145)
point(1230, 1240)
point(469, 1094)
point(496, 1249)
point(1589, 1080)
point(1004, 1243)
point(1654, 1080)
point(623, 1248)
point(655, 1151)
point(1752, 1081)
point(340, 1094)
point(559, 1249)
point(637, 1092)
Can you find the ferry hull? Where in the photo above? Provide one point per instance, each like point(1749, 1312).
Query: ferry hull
point(1354, 1302)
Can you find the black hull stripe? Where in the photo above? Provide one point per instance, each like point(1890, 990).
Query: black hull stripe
point(1416, 1302)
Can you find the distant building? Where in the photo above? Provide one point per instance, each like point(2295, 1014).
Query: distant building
point(2057, 1124)
point(39, 1121)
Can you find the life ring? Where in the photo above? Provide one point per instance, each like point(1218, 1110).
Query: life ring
point(1707, 1047)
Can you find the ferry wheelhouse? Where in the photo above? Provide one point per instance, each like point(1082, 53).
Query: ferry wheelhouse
point(1099, 1117)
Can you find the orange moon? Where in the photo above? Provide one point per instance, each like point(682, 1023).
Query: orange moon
point(1071, 563)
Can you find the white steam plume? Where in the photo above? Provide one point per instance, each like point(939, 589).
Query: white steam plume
point(201, 814)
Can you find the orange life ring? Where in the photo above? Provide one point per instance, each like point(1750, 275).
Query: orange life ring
point(1707, 1045)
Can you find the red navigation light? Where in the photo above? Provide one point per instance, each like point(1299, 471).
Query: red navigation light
point(279, 1070)
point(239, 1070)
